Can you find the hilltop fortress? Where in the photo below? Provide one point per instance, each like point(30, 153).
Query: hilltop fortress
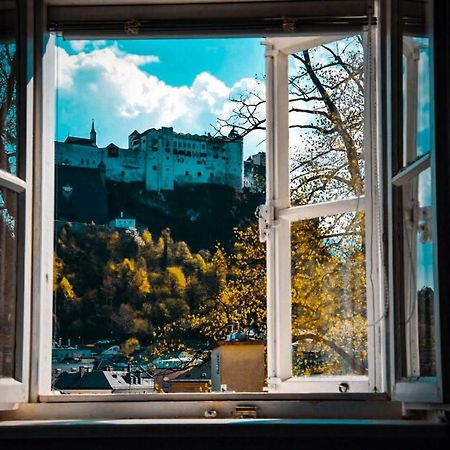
point(160, 158)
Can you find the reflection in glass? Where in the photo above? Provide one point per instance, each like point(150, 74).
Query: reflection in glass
point(419, 280)
point(326, 121)
point(8, 280)
point(329, 331)
point(8, 89)
point(416, 98)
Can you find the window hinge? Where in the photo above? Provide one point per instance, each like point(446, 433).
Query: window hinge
point(273, 383)
point(265, 215)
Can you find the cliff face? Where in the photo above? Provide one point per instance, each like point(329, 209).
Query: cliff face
point(200, 215)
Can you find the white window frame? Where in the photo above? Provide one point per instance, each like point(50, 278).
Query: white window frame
point(281, 214)
point(15, 390)
point(278, 286)
point(412, 388)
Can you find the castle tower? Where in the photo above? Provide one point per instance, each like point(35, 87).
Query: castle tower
point(93, 134)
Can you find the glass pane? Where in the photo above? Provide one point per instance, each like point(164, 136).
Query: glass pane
point(8, 88)
point(326, 120)
point(416, 98)
point(329, 331)
point(159, 275)
point(8, 280)
point(416, 71)
point(419, 279)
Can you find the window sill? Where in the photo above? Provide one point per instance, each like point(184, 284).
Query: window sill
point(220, 406)
point(272, 429)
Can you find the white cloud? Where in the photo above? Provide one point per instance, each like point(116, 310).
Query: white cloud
point(111, 86)
point(79, 45)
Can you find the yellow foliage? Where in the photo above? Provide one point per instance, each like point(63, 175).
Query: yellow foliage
point(67, 289)
point(141, 280)
point(58, 266)
point(147, 237)
point(177, 279)
point(129, 346)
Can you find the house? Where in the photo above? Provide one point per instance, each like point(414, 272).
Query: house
point(103, 380)
point(255, 172)
point(233, 361)
point(195, 379)
point(123, 222)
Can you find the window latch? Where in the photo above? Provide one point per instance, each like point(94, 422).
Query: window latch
point(265, 216)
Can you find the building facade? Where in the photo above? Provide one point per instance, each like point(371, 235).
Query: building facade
point(162, 159)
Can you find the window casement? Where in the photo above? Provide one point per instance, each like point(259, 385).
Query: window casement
point(282, 214)
point(393, 332)
point(415, 327)
point(16, 180)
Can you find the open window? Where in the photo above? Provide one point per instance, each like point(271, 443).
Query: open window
point(329, 214)
point(330, 175)
point(323, 257)
point(414, 285)
point(15, 204)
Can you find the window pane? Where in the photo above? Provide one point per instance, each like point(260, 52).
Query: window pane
point(8, 280)
point(8, 88)
point(329, 331)
point(416, 73)
point(416, 98)
point(158, 269)
point(326, 120)
point(418, 319)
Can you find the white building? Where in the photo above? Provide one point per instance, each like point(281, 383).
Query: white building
point(123, 222)
point(160, 158)
point(255, 172)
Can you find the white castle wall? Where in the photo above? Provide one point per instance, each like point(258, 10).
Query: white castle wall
point(162, 159)
point(127, 166)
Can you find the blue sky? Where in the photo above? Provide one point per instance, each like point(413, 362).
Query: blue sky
point(137, 84)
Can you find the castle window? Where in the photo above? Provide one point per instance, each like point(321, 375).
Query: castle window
point(187, 172)
point(154, 167)
point(199, 174)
